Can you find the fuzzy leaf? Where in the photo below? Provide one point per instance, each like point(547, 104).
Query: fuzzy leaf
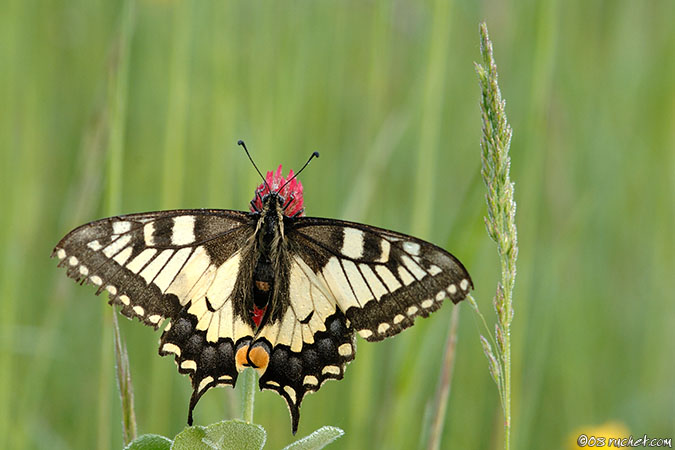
point(317, 440)
point(227, 435)
point(149, 442)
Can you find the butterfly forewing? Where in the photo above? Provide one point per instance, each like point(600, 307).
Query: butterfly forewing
point(380, 279)
point(151, 263)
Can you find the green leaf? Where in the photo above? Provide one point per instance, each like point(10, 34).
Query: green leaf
point(149, 442)
point(226, 435)
point(317, 440)
point(190, 437)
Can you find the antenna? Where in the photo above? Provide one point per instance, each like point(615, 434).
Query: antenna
point(240, 142)
point(314, 155)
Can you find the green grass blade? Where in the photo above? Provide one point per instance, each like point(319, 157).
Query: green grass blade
point(117, 104)
point(444, 383)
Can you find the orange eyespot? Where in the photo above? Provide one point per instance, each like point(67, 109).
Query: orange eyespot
point(240, 358)
point(256, 357)
point(260, 358)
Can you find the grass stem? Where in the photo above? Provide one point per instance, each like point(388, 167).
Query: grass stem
point(117, 104)
point(500, 220)
point(444, 384)
point(126, 388)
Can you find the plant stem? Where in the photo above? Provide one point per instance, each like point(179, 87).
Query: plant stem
point(444, 384)
point(507, 394)
point(126, 388)
point(249, 378)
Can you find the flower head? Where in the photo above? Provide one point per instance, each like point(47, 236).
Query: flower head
point(292, 192)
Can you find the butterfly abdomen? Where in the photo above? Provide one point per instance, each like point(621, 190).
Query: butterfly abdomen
point(263, 283)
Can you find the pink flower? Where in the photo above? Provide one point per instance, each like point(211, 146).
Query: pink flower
point(292, 192)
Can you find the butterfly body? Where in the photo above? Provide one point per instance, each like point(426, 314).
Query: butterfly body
point(269, 289)
point(270, 257)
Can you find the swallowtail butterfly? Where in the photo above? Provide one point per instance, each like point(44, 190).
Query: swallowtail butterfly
point(269, 289)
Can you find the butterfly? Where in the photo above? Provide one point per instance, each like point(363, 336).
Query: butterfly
point(269, 288)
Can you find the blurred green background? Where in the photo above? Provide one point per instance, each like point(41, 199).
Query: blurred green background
point(107, 112)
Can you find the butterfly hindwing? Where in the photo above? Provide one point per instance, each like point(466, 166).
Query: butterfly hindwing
point(313, 342)
point(204, 346)
point(380, 279)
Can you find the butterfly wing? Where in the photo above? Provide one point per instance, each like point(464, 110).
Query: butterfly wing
point(345, 277)
point(180, 265)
